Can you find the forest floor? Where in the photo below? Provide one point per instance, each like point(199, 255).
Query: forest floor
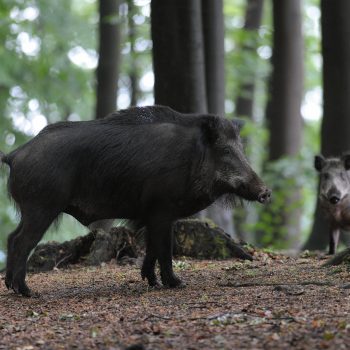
point(274, 302)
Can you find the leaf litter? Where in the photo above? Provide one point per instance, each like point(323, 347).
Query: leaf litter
point(275, 302)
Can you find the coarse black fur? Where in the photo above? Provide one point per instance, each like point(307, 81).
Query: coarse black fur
point(148, 164)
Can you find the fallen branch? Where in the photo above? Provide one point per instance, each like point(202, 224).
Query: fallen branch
point(273, 284)
point(62, 260)
point(156, 316)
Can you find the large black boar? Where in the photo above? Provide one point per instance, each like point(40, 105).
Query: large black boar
point(334, 194)
point(148, 164)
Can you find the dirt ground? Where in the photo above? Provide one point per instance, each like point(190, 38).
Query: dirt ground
point(274, 302)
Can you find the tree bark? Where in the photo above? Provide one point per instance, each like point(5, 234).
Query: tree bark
point(245, 100)
point(284, 116)
point(108, 62)
point(335, 129)
point(283, 110)
point(178, 55)
point(133, 71)
point(214, 51)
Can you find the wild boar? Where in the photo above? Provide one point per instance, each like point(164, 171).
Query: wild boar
point(334, 194)
point(151, 165)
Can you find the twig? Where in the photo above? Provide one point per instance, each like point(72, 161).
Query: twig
point(200, 302)
point(286, 318)
point(120, 250)
point(156, 316)
point(61, 261)
point(272, 284)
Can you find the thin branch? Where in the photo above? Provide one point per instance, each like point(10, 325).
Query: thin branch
point(62, 260)
point(272, 284)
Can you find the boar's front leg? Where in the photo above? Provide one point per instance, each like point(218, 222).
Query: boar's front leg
point(149, 263)
point(160, 247)
point(333, 239)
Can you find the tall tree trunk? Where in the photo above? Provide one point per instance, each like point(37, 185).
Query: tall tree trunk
point(178, 55)
point(108, 62)
point(133, 70)
point(283, 110)
point(336, 91)
point(245, 99)
point(214, 51)
point(284, 116)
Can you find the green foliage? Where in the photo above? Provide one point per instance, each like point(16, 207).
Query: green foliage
point(251, 63)
point(38, 77)
point(293, 181)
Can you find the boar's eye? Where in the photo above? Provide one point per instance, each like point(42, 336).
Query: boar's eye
point(226, 151)
point(325, 176)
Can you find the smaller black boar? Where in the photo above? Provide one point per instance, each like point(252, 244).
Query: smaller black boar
point(334, 194)
point(151, 165)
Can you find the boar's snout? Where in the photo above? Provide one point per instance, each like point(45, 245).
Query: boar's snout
point(264, 196)
point(333, 197)
point(254, 191)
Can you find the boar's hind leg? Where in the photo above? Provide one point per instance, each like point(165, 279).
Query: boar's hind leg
point(8, 278)
point(34, 224)
point(161, 247)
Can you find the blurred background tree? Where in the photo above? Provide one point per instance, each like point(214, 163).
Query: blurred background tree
point(208, 55)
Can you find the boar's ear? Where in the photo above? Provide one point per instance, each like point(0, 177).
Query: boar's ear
point(238, 123)
point(346, 160)
point(319, 162)
point(210, 128)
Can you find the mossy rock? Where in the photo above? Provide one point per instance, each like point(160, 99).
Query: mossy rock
point(200, 240)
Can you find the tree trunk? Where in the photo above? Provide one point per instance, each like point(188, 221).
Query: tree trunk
point(284, 117)
point(336, 91)
point(245, 100)
point(283, 110)
point(213, 33)
point(133, 70)
point(108, 62)
point(178, 55)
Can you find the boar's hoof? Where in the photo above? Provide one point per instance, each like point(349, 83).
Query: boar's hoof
point(150, 276)
point(18, 287)
point(172, 281)
point(22, 288)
